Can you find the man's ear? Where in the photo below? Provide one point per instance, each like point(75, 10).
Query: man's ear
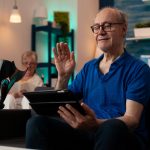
point(124, 29)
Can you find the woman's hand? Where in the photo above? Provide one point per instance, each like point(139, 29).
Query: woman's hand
point(19, 94)
point(64, 60)
point(77, 120)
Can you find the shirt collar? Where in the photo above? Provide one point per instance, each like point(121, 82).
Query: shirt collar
point(119, 60)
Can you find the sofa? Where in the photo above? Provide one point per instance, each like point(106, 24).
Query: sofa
point(12, 126)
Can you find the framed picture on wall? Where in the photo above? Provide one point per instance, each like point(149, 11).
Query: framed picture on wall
point(62, 20)
point(106, 3)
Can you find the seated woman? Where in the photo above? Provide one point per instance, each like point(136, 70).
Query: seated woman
point(15, 98)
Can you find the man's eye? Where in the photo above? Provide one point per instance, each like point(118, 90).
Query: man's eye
point(96, 27)
point(107, 26)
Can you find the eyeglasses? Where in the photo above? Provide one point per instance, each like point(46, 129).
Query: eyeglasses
point(107, 27)
point(31, 63)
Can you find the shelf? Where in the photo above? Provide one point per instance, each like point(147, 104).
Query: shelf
point(54, 35)
point(137, 38)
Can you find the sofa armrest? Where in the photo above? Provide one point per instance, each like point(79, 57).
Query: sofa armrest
point(13, 122)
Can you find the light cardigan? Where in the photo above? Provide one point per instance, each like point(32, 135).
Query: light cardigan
point(22, 103)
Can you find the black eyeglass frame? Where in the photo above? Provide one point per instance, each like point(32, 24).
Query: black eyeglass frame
point(103, 26)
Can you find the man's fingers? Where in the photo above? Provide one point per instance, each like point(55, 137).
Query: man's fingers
point(58, 48)
point(88, 110)
point(63, 51)
point(66, 115)
point(73, 110)
point(55, 52)
point(72, 56)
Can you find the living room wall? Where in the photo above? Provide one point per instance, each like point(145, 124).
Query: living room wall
point(16, 38)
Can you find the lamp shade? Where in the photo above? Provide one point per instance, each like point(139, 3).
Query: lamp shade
point(15, 16)
point(40, 12)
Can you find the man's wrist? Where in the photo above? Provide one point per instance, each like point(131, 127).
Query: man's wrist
point(62, 82)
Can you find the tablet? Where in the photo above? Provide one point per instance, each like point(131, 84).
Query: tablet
point(51, 108)
point(46, 102)
point(51, 96)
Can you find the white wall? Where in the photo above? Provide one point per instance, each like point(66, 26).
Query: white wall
point(16, 38)
point(87, 9)
point(82, 14)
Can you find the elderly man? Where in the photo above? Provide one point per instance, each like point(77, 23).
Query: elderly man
point(115, 89)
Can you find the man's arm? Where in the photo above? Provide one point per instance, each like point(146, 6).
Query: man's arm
point(89, 122)
point(132, 115)
point(62, 82)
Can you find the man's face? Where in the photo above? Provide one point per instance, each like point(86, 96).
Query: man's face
point(109, 37)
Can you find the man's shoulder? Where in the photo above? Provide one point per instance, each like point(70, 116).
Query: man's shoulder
point(89, 64)
point(92, 62)
point(135, 66)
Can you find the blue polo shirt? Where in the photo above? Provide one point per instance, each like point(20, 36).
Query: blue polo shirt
point(128, 78)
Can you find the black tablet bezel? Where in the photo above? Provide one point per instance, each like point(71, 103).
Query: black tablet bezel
point(51, 108)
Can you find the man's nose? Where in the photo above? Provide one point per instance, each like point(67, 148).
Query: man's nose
point(101, 30)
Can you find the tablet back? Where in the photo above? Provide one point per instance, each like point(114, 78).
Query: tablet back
point(47, 102)
point(50, 96)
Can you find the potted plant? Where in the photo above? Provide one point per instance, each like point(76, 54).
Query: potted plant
point(142, 29)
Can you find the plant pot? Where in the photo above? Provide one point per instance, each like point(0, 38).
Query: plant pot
point(142, 32)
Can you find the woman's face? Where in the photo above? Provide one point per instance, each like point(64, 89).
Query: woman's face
point(30, 63)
